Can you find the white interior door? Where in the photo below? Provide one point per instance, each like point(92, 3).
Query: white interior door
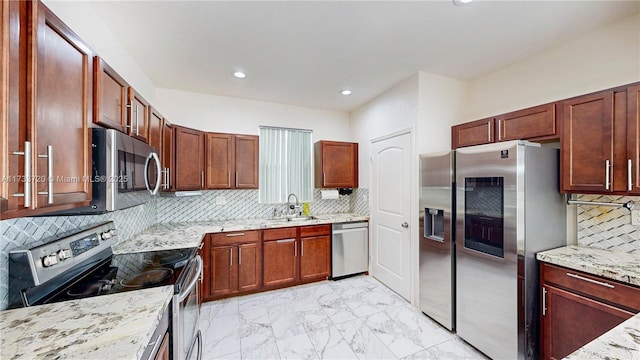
point(390, 210)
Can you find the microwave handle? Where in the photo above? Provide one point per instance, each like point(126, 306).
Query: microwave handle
point(153, 156)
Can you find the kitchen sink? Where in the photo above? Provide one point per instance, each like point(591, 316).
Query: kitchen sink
point(294, 219)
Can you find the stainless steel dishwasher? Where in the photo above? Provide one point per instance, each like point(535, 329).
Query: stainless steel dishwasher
point(349, 248)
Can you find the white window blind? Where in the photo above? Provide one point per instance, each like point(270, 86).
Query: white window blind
point(286, 164)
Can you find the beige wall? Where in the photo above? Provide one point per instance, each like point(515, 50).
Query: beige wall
point(598, 60)
point(226, 114)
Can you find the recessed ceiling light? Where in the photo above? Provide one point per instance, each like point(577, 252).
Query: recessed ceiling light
point(461, 2)
point(345, 92)
point(239, 74)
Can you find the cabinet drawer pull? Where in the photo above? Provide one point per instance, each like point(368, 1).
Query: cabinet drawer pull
point(285, 240)
point(607, 167)
point(235, 234)
point(49, 157)
point(27, 173)
point(575, 276)
point(630, 174)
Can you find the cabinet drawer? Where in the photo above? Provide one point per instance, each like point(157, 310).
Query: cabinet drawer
point(315, 230)
point(609, 291)
point(235, 237)
point(278, 234)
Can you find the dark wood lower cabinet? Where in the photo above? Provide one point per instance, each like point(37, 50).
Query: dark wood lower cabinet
point(232, 264)
point(572, 320)
point(315, 258)
point(244, 262)
point(579, 307)
point(280, 263)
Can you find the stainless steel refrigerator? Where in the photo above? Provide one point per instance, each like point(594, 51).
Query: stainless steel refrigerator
point(508, 208)
point(437, 243)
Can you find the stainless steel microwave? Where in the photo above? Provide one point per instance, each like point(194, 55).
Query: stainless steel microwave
point(125, 171)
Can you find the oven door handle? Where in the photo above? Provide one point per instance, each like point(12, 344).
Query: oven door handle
point(185, 293)
point(155, 158)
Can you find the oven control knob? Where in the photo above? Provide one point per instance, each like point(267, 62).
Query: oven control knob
point(64, 254)
point(49, 260)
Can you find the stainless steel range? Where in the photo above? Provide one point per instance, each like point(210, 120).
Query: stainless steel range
point(81, 264)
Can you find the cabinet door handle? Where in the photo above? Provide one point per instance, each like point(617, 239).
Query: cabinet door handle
point(295, 249)
point(607, 167)
point(499, 129)
point(301, 248)
point(235, 234)
point(544, 301)
point(168, 178)
point(601, 283)
point(229, 178)
point(239, 255)
point(202, 178)
point(324, 179)
point(137, 121)
point(129, 124)
point(231, 257)
point(236, 179)
point(629, 174)
point(27, 173)
point(49, 157)
point(489, 130)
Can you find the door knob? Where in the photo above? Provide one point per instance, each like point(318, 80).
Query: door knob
point(405, 224)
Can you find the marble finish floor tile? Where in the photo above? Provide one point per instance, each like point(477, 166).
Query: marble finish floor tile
point(353, 318)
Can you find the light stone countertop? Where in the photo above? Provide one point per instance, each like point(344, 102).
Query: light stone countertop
point(621, 342)
point(117, 326)
point(619, 266)
point(169, 236)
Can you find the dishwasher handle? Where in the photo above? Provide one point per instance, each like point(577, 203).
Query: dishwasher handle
point(352, 225)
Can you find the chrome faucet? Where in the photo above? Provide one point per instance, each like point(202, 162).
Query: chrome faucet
point(291, 208)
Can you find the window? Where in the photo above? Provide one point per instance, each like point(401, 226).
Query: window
point(286, 164)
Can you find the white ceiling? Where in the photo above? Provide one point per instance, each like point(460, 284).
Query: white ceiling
point(304, 52)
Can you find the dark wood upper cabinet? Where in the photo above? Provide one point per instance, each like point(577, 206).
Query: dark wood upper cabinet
point(138, 116)
point(473, 133)
point(47, 112)
point(110, 93)
point(189, 158)
point(156, 121)
point(232, 161)
point(599, 146)
point(532, 123)
point(574, 300)
point(587, 143)
point(59, 106)
point(220, 158)
point(633, 142)
point(336, 164)
point(246, 161)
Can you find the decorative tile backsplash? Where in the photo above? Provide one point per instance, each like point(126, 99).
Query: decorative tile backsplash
point(238, 204)
point(27, 230)
point(608, 227)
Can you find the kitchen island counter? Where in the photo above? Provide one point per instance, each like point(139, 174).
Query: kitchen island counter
point(117, 326)
point(169, 236)
point(619, 266)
